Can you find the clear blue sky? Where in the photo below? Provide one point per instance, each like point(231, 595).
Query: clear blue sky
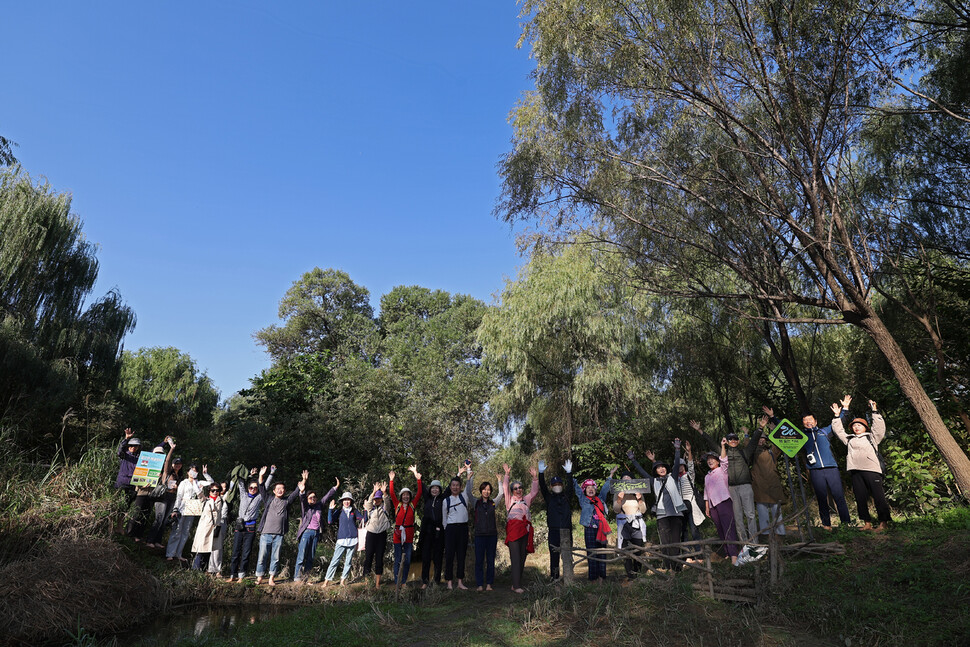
point(217, 150)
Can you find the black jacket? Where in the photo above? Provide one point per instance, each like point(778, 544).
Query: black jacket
point(433, 515)
point(559, 514)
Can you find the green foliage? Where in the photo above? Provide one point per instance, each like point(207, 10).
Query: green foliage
point(163, 392)
point(55, 350)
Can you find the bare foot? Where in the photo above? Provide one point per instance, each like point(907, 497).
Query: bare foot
point(489, 588)
point(520, 591)
point(479, 589)
point(259, 581)
point(424, 586)
point(325, 584)
point(342, 581)
point(272, 582)
point(449, 585)
point(462, 586)
point(826, 527)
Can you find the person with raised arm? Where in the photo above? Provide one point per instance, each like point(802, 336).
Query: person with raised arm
point(769, 495)
point(668, 504)
point(486, 531)
point(694, 514)
point(251, 494)
point(209, 532)
point(171, 477)
point(311, 525)
point(739, 480)
point(865, 464)
point(348, 520)
point(717, 499)
point(455, 523)
point(432, 534)
point(128, 451)
point(185, 511)
point(519, 534)
point(559, 516)
point(403, 529)
point(592, 516)
point(631, 507)
point(823, 470)
point(377, 521)
point(273, 526)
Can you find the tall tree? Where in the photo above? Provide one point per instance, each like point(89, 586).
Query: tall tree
point(716, 145)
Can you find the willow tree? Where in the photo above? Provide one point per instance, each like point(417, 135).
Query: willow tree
point(716, 145)
point(56, 346)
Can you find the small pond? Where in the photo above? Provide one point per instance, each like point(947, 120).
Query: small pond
point(183, 623)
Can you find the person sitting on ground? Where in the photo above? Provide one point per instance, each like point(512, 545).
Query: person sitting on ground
point(311, 525)
point(403, 530)
point(769, 495)
point(519, 534)
point(273, 526)
point(486, 531)
point(633, 531)
point(348, 519)
point(209, 533)
point(592, 517)
point(251, 496)
point(739, 480)
point(823, 470)
point(864, 464)
point(717, 500)
point(377, 521)
point(559, 517)
point(455, 523)
point(432, 534)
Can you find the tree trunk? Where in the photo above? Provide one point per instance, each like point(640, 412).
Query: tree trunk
point(928, 414)
point(785, 357)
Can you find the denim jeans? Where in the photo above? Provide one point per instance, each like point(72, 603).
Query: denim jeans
point(269, 549)
point(402, 562)
point(305, 553)
point(341, 552)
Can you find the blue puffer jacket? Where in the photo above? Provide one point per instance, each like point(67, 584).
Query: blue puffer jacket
point(585, 507)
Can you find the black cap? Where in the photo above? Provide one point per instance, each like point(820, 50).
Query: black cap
point(731, 436)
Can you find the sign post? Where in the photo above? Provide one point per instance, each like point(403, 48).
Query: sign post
point(148, 469)
point(790, 439)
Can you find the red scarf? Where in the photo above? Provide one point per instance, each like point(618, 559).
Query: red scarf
point(518, 528)
point(603, 526)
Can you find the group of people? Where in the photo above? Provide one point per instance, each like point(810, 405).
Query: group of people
point(742, 481)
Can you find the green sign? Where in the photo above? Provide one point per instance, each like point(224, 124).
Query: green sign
point(788, 438)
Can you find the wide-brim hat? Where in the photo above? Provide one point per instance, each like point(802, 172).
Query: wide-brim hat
point(434, 483)
point(346, 495)
point(662, 464)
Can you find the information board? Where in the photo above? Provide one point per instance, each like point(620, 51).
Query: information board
point(148, 469)
point(789, 438)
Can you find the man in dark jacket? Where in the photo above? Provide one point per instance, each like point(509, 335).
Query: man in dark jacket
point(739, 479)
point(128, 452)
point(559, 516)
point(272, 527)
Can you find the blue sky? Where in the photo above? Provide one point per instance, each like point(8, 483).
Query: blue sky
point(217, 150)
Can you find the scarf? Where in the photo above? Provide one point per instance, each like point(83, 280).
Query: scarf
point(518, 528)
point(599, 512)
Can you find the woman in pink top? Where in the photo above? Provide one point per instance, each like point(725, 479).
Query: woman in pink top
point(518, 528)
point(717, 500)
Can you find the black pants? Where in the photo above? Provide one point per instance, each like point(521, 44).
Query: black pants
point(242, 546)
point(555, 542)
point(517, 555)
point(374, 546)
point(866, 483)
point(689, 527)
point(456, 545)
point(139, 516)
point(432, 549)
point(162, 509)
point(631, 535)
point(669, 528)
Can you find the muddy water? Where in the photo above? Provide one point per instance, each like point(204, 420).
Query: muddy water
point(184, 623)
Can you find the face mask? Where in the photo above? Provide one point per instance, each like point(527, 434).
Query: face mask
point(193, 473)
point(557, 489)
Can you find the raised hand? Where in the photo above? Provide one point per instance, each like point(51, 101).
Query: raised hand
point(651, 455)
point(768, 411)
point(128, 432)
point(696, 426)
point(836, 409)
point(630, 454)
point(508, 470)
point(613, 471)
point(337, 482)
point(306, 473)
point(542, 466)
point(417, 474)
point(498, 478)
point(846, 401)
point(171, 443)
point(302, 486)
point(333, 504)
point(568, 466)
point(262, 471)
point(205, 469)
point(676, 443)
point(687, 447)
point(723, 442)
point(253, 471)
point(377, 486)
point(272, 469)
point(763, 421)
point(872, 405)
point(391, 475)
point(534, 472)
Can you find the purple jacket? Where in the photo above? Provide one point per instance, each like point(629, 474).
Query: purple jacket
point(127, 466)
point(308, 510)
